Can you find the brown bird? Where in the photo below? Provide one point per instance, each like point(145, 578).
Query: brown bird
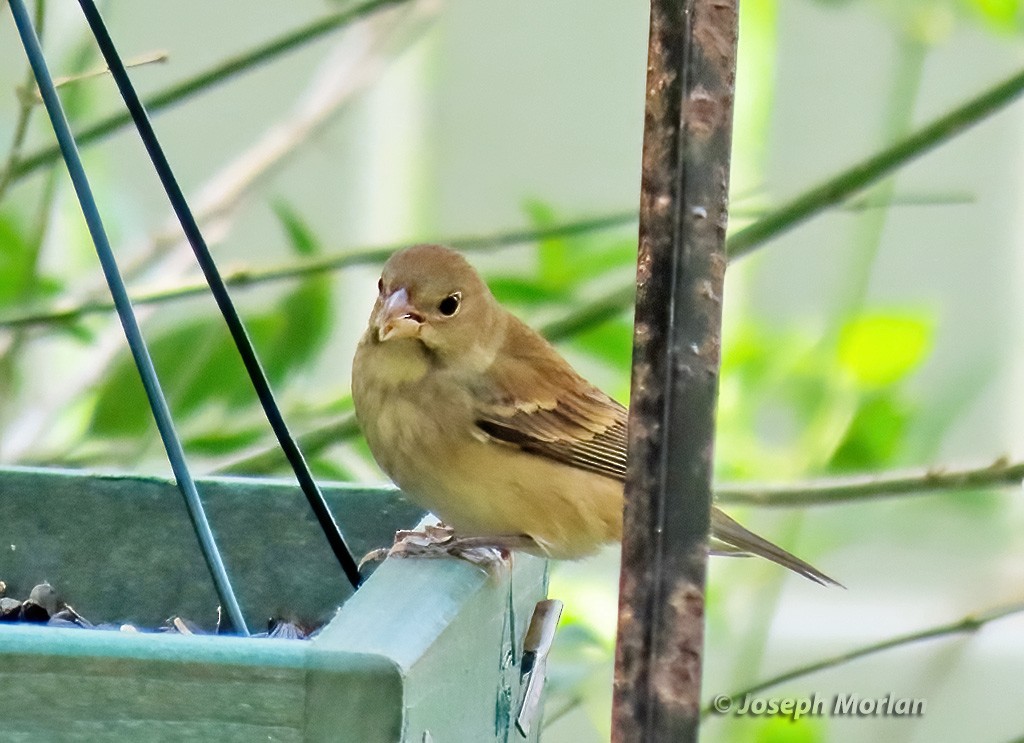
point(479, 419)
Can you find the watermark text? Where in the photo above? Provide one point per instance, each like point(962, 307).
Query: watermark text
point(840, 705)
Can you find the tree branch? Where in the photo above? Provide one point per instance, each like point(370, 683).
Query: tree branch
point(839, 490)
point(207, 79)
point(268, 459)
point(610, 305)
point(810, 202)
point(857, 177)
point(971, 623)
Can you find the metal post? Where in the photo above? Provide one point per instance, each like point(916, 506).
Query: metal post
point(680, 272)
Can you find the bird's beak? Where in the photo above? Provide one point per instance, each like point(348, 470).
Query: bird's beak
point(398, 318)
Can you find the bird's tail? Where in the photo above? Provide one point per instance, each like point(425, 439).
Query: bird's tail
point(736, 539)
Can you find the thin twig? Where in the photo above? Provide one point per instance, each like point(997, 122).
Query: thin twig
point(971, 623)
point(268, 459)
point(26, 105)
point(856, 178)
point(207, 79)
point(609, 305)
point(572, 703)
point(591, 314)
point(840, 490)
point(140, 61)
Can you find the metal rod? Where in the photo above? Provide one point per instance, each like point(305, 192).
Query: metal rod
point(220, 293)
point(680, 272)
point(136, 342)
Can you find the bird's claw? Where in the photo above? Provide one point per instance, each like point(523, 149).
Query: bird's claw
point(440, 540)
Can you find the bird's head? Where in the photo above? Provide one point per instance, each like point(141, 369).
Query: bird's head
point(431, 295)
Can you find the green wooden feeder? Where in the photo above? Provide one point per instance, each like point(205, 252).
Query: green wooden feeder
point(427, 649)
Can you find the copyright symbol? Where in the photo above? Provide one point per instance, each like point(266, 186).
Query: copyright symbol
point(722, 703)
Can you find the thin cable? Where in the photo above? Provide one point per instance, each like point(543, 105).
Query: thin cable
point(136, 342)
point(220, 293)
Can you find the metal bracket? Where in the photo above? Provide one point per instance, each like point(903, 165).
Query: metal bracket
point(540, 635)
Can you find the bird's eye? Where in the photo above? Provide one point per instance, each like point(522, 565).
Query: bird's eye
point(380, 285)
point(450, 304)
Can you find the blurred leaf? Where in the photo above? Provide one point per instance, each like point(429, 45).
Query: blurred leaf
point(78, 331)
point(48, 286)
point(294, 334)
point(928, 22)
point(199, 365)
point(327, 468)
point(610, 341)
point(521, 291)
point(874, 436)
point(298, 232)
point(785, 730)
point(567, 261)
point(881, 348)
point(755, 88)
point(555, 268)
point(1004, 16)
point(16, 263)
point(598, 256)
point(180, 356)
point(291, 337)
point(213, 443)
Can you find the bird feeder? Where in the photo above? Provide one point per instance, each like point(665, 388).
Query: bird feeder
point(426, 649)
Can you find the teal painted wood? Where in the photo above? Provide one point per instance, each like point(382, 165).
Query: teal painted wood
point(428, 647)
point(458, 642)
point(120, 548)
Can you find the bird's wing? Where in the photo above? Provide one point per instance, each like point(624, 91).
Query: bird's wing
point(533, 399)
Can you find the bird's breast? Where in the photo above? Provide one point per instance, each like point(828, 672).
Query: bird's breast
point(413, 417)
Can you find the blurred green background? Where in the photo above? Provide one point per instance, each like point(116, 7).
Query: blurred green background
point(881, 334)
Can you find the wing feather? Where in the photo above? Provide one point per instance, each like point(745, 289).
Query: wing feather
point(536, 401)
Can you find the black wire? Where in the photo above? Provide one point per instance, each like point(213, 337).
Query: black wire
point(136, 343)
point(220, 293)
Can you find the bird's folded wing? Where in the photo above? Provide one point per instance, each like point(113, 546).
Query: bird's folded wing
point(532, 399)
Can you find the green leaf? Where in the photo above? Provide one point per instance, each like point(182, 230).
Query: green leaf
point(568, 261)
point(555, 266)
point(292, 336)
point(522, 291)
point(299, 234)
point(16, 267)
point(610, 341)
point(874, 436)
point(785, 730)
point(194, 363)
point(880, 348)
point(221, 442)
point(326, 468)
point(198, 364)
point(1003, 16)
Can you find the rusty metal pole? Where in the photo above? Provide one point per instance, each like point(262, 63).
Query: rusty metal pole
point(680, 272)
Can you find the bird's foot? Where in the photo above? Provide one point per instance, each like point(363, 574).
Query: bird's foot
point(440, 540)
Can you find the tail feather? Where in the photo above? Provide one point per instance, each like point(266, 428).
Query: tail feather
point(736, 539)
